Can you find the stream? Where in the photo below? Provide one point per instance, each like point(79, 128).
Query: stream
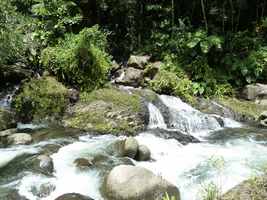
point(229, 153)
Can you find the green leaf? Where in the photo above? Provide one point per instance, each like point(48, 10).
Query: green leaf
point(194, 42)
point(205, 47)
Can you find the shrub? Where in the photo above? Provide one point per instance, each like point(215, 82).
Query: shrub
point(12, 46)
point(168, 83)
point(80, 59)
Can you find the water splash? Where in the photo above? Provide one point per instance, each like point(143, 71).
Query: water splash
point(156, 119)
point(189, 167)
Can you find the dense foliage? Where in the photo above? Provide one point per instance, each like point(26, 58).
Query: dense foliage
point(79, 59)
point(214, 46)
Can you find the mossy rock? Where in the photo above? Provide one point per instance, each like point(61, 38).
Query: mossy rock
point(252, 189)
point(6, 119)
point(40, 99)
point(108, 110)
point(244, 110)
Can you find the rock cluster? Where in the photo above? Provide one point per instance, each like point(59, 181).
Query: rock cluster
point(138, 71)
point(136, 151)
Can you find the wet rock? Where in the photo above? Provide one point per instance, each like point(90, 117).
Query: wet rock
point(130, 147)
point(263, 119)
point(180, 137)
point(126, 182)
point(43, 191)
point(19, 139)
point(73, 196)
point(74, 95)
point(6, 119)
point(4, 134)
point(83, 163)
point(130, 77)
point(143, 153)
point(46, 163)
point(252, 91)
point(8, 132)
point(138, 61)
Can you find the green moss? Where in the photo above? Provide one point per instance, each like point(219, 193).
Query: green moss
point(107, 110)
point(40, 99)
point(248, 109)
point(114, 96)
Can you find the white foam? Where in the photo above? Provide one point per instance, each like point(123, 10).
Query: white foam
point(188, 166)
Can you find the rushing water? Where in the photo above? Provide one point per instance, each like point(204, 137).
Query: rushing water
point(7, 96)
point(223, 160)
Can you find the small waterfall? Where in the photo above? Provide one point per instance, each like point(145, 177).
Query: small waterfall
point(187, 119)
point(7, 97)
point(156, 119)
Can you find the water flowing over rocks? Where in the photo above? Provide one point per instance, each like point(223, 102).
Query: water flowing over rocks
point(169, 138)
point(46, 163)
point(136, 183)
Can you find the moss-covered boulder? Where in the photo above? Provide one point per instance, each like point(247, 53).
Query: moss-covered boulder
point(252, 189)
point(6, 119)
point(243, 110)
point(40, 99)
point(108, 110)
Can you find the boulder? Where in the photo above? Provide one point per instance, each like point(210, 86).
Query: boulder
point(130, 77)
point(130, 147)
point(41, 99)
point(263, 119)
point(43, 191)
point(74, 95)
point(126, 182)
point(73, 196)
point(143, 153)
point(4, 134)
point(6, 119)
point(19, 139)
point(107, 110)
point(138, 62)
point(46, 163)
point(256, 92)
point(83, 163)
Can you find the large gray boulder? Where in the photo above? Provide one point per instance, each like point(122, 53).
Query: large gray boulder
point(19, 139)
point(130, 147)
point(256, 92)
point(6, 119)
point(130, 77)
point(126, 182)
point(138, 61)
